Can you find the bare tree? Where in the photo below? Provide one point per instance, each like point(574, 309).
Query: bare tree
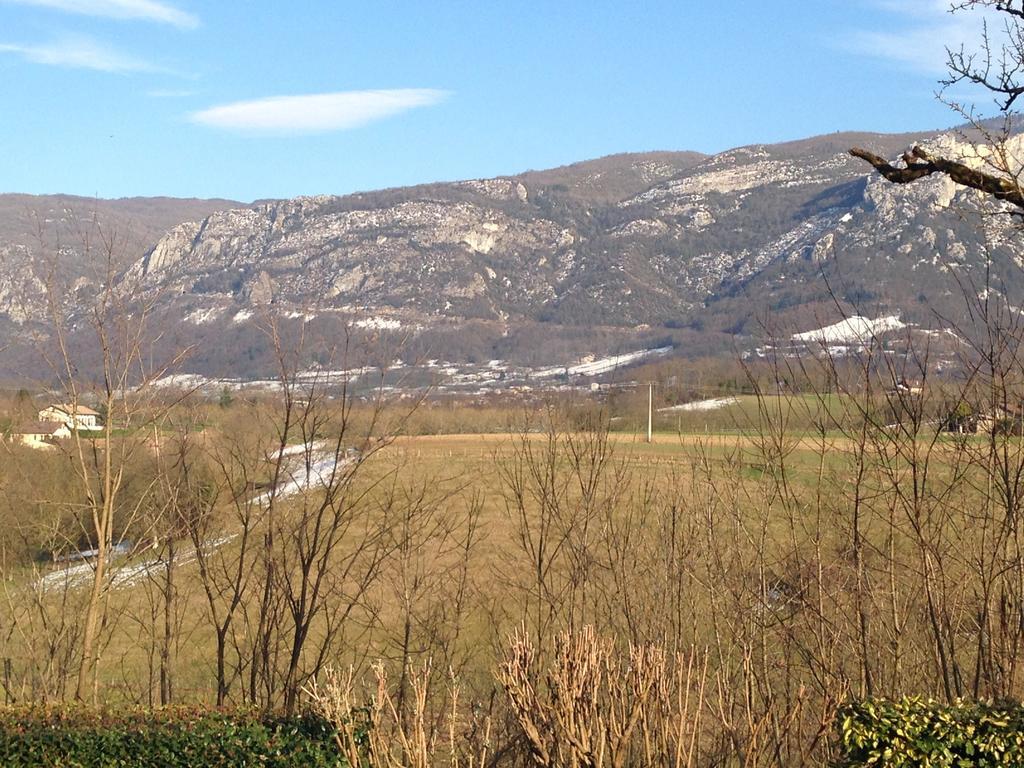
point(371, 729)
point(103, 356)
point(595, 707)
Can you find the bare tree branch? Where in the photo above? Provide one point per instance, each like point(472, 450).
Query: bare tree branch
point(920, 163)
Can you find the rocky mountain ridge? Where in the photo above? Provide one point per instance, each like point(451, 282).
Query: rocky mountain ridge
point(701, 252)
point(64, 241)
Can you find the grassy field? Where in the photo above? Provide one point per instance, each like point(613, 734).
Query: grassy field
point(802, 563)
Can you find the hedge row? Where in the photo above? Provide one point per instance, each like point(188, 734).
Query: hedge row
point(926, 734)
point(876, 733)
point(163, 738)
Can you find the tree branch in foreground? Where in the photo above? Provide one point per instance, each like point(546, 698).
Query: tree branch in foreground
point(920, 163)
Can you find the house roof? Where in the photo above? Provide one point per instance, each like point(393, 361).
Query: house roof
point(40, 428)
point(80, 410)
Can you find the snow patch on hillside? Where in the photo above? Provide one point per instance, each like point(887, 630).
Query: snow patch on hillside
point(853, 329)
point(378, 323)
point(602, 365)
point(203, 316)
point(180, 381)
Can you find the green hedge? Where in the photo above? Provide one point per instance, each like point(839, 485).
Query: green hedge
point(927, 734)
point(164, 739)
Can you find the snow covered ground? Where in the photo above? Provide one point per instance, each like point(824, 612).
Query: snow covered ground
point(712, 404)
point(319, 376)
point(299, 449)
point(853, 330)
point(124, 576)
point(298, 478)
point(301, 476)
point(182, 381)
point(603, 364)
point(483, 377)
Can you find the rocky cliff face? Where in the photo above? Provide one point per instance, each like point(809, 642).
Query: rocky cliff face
point(700, 233)
point(631, 243)
point(67, 246)
point(22, 291)
point(479, 252)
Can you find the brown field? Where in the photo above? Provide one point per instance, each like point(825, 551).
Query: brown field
point(798, 570)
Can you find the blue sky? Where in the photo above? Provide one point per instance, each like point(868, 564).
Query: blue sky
point(266, 98)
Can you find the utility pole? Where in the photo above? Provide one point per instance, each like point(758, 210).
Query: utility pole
point(650, 410)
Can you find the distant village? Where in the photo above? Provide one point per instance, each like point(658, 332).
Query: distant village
point(903, 404)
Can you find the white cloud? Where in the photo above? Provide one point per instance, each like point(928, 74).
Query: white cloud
point(919, 49)
point(315, 113)
point(141, 10)
point(79, 53)
point(922, 32)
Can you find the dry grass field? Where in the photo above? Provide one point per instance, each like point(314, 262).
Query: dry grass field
point(795, 566)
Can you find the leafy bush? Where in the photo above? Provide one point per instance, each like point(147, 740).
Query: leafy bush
point(166, 738)
point(927, 734)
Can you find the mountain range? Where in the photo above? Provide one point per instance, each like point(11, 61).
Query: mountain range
point(706, 254)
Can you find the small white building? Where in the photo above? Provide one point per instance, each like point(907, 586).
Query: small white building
point(41, 434)
point(75, 417)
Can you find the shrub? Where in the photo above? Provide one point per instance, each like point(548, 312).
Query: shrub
point(167, 738)
point(927, 734)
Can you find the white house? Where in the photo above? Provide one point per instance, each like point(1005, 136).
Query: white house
point(75, 417)
point(41, 434)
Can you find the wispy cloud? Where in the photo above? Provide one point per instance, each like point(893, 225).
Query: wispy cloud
point(80, 53)
point(922, 50)
point(919, 33)
point(140, 10)
point(315, 113)
point(169, 93)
